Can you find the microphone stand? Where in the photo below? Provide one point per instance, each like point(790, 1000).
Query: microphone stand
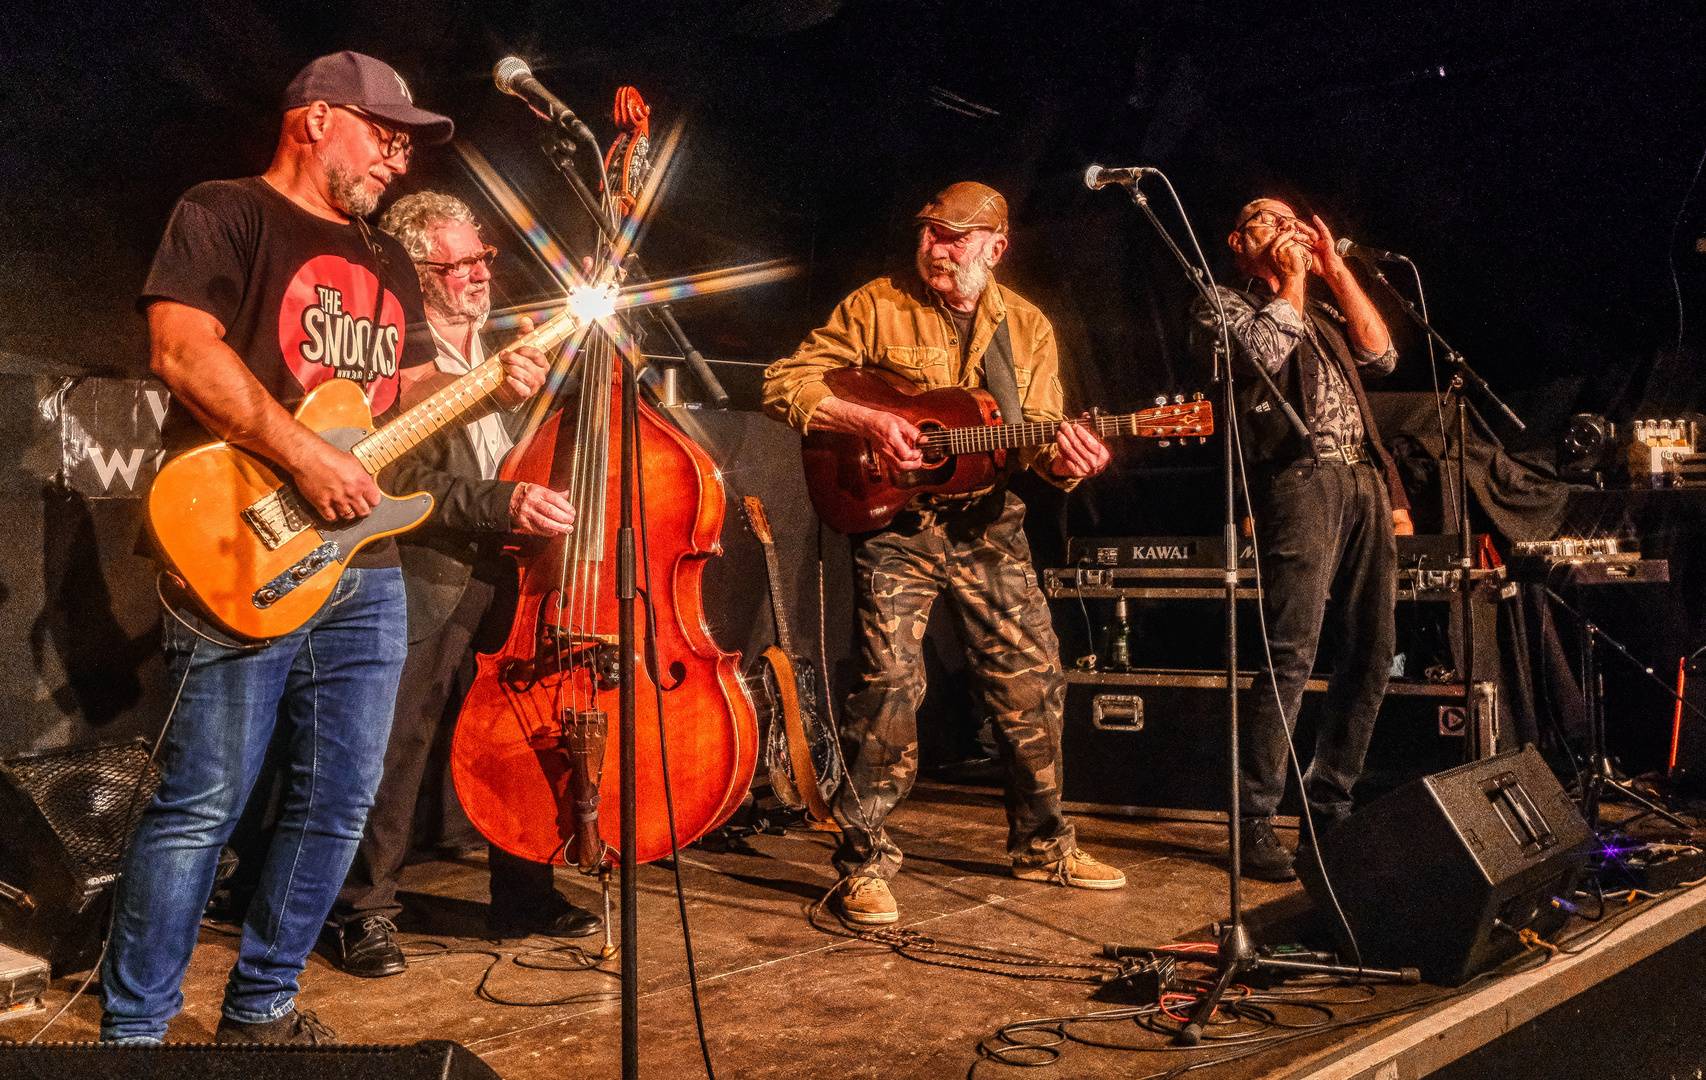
point(1235, 954)
point(559, 147)
point(1600, 774)
point(1464, 378)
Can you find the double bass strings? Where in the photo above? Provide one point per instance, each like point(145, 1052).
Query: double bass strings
point(581, 575)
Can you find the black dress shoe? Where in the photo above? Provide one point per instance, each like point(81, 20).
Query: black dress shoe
point(369, 949)
point(553, 916)
point(1263, 857)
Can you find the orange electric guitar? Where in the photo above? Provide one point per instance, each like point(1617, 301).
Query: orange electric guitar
point(257, 558)
point(965, 445)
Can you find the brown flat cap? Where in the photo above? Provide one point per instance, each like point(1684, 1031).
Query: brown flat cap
point(967, 205)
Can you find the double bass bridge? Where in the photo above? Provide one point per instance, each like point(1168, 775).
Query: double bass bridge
point(559, 651)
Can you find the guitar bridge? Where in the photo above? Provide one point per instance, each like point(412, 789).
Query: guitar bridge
point(303, 569)
point(277, 517)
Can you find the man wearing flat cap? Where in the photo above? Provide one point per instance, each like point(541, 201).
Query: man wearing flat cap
point(950, 325)
point(261, 290)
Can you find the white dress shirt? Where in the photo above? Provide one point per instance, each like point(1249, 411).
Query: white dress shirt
point(487, 435)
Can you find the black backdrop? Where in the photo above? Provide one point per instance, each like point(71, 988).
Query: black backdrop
point(1535, 158)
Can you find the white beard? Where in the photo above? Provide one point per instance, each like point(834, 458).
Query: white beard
point(438, 301)
point(970, 279)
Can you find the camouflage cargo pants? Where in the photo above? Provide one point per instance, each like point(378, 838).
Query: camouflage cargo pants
point(979, 557)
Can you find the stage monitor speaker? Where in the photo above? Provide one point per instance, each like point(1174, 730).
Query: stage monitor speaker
point(1443, 873)
point(69, 814)
point(437, 1059)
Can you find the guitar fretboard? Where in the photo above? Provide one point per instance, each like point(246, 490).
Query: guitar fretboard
point(454, 401)
point(1179, 420)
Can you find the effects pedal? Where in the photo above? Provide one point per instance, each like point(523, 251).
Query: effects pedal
point(1141, 980)
point(1650, 867)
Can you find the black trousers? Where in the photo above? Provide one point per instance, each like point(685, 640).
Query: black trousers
point(1327, 558)
point(429, 697)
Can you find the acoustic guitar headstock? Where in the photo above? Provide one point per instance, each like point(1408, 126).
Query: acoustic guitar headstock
point(755, 515)
point(1176, 419)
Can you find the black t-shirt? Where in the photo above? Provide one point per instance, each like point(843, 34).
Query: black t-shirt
point(297, 295)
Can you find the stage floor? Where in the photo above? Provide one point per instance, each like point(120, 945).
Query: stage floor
point(781, 998)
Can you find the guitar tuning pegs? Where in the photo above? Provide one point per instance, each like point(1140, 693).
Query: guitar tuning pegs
point(1165, 442)
point(1161, 399)
point(1197, 396)
point(1201, 439)
point(1178, 399)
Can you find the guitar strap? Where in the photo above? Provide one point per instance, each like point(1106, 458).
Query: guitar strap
point(998, 375)
point(380, 273)
point(799, 750)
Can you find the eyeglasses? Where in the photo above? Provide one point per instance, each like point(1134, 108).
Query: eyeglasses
point(391, 143)
point(461, 268)
point(1270, 218)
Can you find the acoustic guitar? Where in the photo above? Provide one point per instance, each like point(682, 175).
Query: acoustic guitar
point(804, 757)
point(964, 444)
point(254, 555)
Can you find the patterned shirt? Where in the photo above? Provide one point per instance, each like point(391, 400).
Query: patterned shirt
point(1273, 332)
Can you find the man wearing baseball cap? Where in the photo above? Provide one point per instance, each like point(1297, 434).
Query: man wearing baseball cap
point(948, 325)
point(263, 289)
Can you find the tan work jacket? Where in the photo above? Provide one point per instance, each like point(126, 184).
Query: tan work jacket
point(903, 327)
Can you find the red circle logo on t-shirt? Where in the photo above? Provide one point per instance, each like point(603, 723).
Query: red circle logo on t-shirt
point(326, 329)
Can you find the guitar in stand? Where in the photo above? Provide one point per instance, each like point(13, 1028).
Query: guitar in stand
point(964, 444)
point(804, 757)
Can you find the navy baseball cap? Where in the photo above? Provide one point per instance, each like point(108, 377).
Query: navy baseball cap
point(352, 78)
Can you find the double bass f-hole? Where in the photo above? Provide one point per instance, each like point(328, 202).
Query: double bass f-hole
point(677, 670)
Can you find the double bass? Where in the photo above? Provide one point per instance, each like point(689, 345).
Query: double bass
point(535, 748)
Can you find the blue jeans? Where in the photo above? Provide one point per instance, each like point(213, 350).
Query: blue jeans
point(333, 681)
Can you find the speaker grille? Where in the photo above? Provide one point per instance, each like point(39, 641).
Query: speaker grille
point(91, 797)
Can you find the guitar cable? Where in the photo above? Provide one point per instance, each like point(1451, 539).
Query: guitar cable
point(133, 811)
point(663, 753)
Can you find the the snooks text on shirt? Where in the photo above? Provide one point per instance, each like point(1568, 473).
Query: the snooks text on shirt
point(326, 328)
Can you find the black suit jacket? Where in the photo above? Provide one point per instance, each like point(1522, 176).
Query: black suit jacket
point(438, 558)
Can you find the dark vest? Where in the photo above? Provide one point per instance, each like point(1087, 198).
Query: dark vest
point(1268, 437)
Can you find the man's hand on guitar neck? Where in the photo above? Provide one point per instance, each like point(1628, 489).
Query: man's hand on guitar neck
point(332, 481)
point(524, 369)
point(1078, 452)
point(893, 438)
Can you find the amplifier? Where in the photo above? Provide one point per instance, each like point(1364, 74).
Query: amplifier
point(1443, 873)
point(1579, 561)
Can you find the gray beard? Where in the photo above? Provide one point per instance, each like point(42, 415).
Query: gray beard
point(347, 190)
point(972, 278)
point(438, 301)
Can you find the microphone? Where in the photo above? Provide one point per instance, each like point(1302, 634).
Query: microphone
point(1346, 246)
point(513, 76)
point(1097, 177)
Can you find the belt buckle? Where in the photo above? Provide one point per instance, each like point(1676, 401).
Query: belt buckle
point(1350, 455)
